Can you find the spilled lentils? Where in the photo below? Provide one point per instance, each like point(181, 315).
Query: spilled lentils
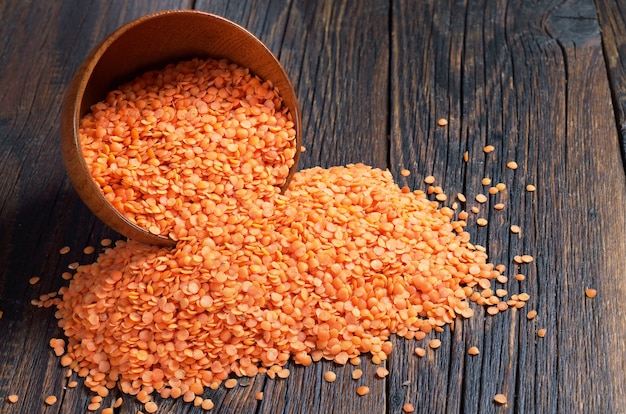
point(328, 269)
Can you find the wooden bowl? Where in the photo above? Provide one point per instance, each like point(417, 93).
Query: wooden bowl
point(152, 42)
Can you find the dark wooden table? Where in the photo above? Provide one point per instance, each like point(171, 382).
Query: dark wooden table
point(543, 82)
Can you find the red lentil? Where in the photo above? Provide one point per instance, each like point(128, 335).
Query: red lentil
point(542, 332)
point(13, 398)
point(357, 373)
point(382, 372)
point(486, 181)
point(473, 350)
point(530, 188)
point(330, 376)
point(434, 343)
point(50, 400)
point(405, 172)
point(429, 179)
point(420, 352)
point(89, 250)
point(591, 293)
point(258, 396)
point(64, 250)
point(493, 190)
point(108, 410)
point(481, 198)
point(442, 122)
point(531, 314)
point(408, 408)
point(466, 156)
point(500, 398)
point(512, 165)
point(363, 390)
point(488, 149)
point(34, 280)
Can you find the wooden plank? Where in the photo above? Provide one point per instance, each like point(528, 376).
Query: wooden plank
point(321, 46)
point(612, 20)
point(541, 97)
point(42, 45)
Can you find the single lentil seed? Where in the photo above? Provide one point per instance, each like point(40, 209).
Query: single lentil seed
point(512, 165)
point(258, 396)
point(542, 332)
point(207, 404)
point(420, 352)
point(363, 390)
point(429, 179)
point(330, 376)
point(515, 229)
point(434, 343)
point(466, 156)
point(493, 190)
point(591, 293)
point(442, 122)
point(481, 198)
point(486, 181)
point(530, 188)
point(501, 186)
point(488, 149)
point(382, 372)
point(482, 222)
point(50, 400)
point(405, 173)
point(13, 398)
point(357, 373)
point(473, 350)
point(33, 280)
point(408, 408)
point(89, 250)
point(531, 314)
point(500, 398)
point(64, 250)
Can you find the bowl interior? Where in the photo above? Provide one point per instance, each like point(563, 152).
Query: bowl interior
point(148, 43)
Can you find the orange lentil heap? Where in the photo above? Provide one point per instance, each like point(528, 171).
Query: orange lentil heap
point(331, 268)
point(189, 138)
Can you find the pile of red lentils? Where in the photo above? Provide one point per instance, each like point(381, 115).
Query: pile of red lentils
point(329, 269)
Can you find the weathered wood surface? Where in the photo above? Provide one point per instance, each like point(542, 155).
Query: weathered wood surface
point(541, 81)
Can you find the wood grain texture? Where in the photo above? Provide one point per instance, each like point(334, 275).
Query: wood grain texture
point(529, 79)
point(541, 81)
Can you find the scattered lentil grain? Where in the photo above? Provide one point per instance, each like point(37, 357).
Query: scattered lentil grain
point(500, 398)
point(488, 149)
point(511, 165)
point(420, 352)
point(542, 332)
point(473, 350)
point(429, 179)
point(481, 198)
point(64, 250)
point(591, 293)
point(382, 372)
point(531, 314)
point(363, 390)
point(330, 376)
point(408, 408)
point(50, 400)
point(357, 373)
point(13, 398)
point(434, 343)
point(442, 122)
point(405, 173)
